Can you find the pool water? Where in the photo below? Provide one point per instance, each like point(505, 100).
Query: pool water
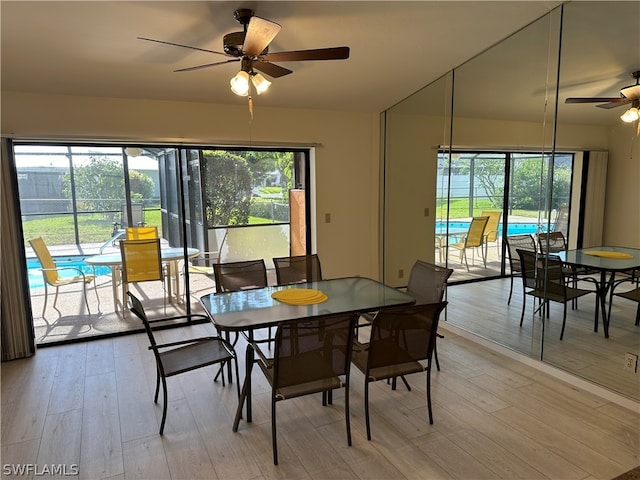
point(513, 228)
point(35, 275)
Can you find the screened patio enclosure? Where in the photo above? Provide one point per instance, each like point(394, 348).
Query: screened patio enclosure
point(80, 199)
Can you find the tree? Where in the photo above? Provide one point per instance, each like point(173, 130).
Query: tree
point(227, 181)
point(100, 183)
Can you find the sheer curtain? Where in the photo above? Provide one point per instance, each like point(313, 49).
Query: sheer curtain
point(16, 320)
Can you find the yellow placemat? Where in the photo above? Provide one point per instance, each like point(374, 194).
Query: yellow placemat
point(606, 254)
point(299, 296)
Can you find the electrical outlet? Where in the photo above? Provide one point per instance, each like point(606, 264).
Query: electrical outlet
point(631, 362)
point(327, 218)
point(401, 273)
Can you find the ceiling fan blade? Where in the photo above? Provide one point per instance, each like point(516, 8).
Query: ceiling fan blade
point(260, 32)
point(271, 69)
point(180, 45)
point(206, 65)
point(592, 99)
point(617, 103)
point(332, 53)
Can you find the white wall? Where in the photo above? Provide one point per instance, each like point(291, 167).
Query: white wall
point(346, 155)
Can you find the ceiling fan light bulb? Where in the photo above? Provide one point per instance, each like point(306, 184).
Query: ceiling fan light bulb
point(630, 115)
point(261, 83)
point(240, 84)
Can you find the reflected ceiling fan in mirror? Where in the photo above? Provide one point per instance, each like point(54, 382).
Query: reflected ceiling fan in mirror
point(630, 94)
point(251, 48)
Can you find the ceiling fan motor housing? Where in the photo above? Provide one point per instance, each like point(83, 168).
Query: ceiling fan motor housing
point(232, 43)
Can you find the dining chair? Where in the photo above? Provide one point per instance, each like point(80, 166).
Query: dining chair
point(473, 239)
point(57, 277)
point(515, 242)
point(242, 275)
point(141, 262)
point(428, 283)
point(141, 233)
point(491, 231)
point(544, 278)
point(235, 276)
point(182, 356)
point(297, 269)
point(312, 355)
point(629, 276)
point(402, 342)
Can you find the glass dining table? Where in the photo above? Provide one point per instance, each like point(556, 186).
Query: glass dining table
point(253, 309)
point(605, 260)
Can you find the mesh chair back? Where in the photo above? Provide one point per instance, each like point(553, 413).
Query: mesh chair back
point(551, 242)
point(297, 269)
point(475, 234)
point(542, 274)
point(141, 233)
point(311, 353)
point(491, 230)
point(46, 260)
point(515, 243)
point(427, 282)
point(235, 276)
point(401, 337)
point(141, 260)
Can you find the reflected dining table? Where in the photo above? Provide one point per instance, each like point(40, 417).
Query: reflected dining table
point(170, 255)
point(250, 310)
point(605, 260)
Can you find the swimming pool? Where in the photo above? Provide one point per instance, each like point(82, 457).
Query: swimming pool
point(35, 275)
point(513, 228)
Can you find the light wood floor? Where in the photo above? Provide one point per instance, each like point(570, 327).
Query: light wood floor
point(90, 404)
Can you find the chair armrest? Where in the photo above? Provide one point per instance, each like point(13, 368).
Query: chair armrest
point(183, 342)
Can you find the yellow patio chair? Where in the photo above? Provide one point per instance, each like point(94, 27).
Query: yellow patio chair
point(141, 262)
point(491, 230)
point(51, 273)
point(474, 238)
point(141, 233)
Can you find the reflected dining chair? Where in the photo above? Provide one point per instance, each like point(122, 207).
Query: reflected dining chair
point(297, 269)
point(182, 356)
point(428, 283)
point(515, 242)
point(401, 343)
point(544, 278)
point(310, 356)
point(57, 276)
point(141, 262)
point(473, 239)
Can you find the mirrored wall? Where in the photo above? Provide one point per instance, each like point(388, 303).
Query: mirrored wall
point(508, 105)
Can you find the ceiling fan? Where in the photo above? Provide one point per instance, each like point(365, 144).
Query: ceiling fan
point(630, 94)
point(251, 48)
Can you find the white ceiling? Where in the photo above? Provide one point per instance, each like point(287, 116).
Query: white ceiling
point(90, 48)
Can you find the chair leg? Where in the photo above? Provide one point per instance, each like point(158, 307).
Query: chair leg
point(46, 293)
point(273, 431)
point(435, 350)
point(164, 406)
point(366, 409)
point(155, 397)
point(564, 320)
point(524, 304)
point(347, 416)
point(429, 395)
point(510, 289)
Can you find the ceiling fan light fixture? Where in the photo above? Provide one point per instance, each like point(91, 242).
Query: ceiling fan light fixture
point(240, 84)
point(261, 83)
point(630, 115)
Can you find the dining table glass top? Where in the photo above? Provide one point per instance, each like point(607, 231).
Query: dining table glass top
point(256, 308)
point(604, 258)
